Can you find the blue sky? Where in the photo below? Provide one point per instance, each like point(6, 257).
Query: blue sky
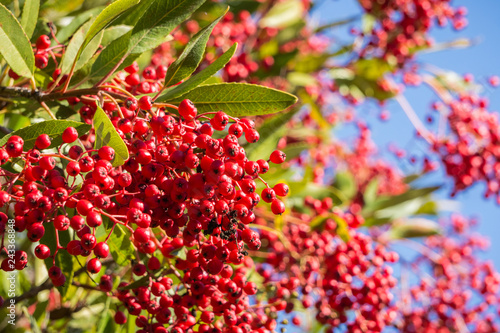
point(482, 60)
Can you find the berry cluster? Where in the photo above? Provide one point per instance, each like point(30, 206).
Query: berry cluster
point(403, 26)
point(315, 269)
point(181, 191)
point(457, 290)
point(470, 151)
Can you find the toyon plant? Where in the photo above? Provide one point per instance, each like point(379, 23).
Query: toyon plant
point(159, 174)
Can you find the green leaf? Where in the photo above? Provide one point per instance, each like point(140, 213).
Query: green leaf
point(106, 135)
point(33, 324)
point(121, 248)
point(239, 99)
point(195, 80)
point(345, 182)
point(107, 59)
point(370, 192)
point(293, 150)
point(416, 227)
point(301, 79)
point(191, 56)
point(362, 79)
point(16, 121)
point(283, 14)
point(67, 31)
point(53, 128)
point(114, 32)
point(63, 259)
point(158, 21)
point(132, 16)
point(428, 208)
point(74, 46)
point(30, 15)
point(15, 45)
point(144, 281)
point(271, 131)
point(180, 253)
point(342, 230)
point(108, 15)
point(310, 62)
point(411, 194)
point(105, 316)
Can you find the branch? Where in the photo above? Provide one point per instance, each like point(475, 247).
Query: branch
point(45, 286)
point(29, 294)
point(39, 96)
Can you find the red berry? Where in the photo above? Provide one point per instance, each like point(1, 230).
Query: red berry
point(120, 318)
point(73, 168)
point(252, 136)
point(47, 163)
point(145, 103)
point(42, 251)
point(83, 207)
point(61, 222)
point(134, 68)
point(43, 42)
point(43, 141)
point(69, 135)
point(93, 219)
point(277, 207)
point(277, 157)
point(187, 110)
point(106, 153)
point(41, 61)
point(281, 189)
point(101, 250)
point(94, 266)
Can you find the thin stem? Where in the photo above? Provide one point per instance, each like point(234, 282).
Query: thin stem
point(412, 116)
point(118, 108)
point(48, 110)
point(117, 88)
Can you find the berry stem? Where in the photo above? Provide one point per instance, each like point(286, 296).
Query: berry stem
point(48, 110)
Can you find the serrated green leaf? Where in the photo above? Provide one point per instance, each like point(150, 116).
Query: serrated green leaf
point(239, 99)
point(106, 135)
point(416, 227)
point(15, 46)
point(121, 248)
point(29, 16)
point(271, 131)
point(191, 56)
point(76, 22)
point(283, 14)
point(158, 21)
point(195, 80)
point(53, 128)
